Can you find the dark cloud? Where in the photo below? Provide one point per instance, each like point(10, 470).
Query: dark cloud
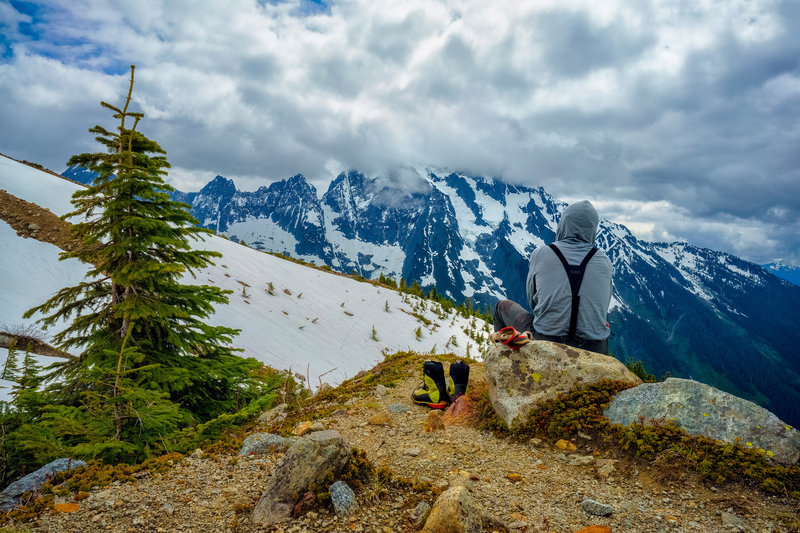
point(574, 45)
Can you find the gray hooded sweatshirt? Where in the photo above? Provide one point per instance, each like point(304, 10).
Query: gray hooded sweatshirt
point(548, 288)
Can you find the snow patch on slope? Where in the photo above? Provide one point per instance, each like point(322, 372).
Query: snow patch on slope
point(689, 266)
point(28, 183)
point(317, 321)
point(30, 273)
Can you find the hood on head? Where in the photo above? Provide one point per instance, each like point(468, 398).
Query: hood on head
point(578, 222)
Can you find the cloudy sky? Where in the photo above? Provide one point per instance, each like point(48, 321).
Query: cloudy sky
point(680, 119)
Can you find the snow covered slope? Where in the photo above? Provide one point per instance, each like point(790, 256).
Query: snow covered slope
point(317, 323)
point(30, 273)
point(789, 272)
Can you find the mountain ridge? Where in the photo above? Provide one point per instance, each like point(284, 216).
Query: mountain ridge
point(789, 272)
point(691, 311)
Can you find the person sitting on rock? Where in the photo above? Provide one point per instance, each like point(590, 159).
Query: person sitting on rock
point(569, 287)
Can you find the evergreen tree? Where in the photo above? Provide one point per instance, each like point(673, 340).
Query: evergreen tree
point(11, 366)
point(637, 367)
point(30, 377)
point(116, 420)
point(138, 241)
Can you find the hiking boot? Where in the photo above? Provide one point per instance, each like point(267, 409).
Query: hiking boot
point(459, 374)
point(451, 387)
point(433, 391)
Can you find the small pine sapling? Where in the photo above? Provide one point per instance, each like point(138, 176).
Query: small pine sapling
point(29, 378)
point(11, 366)
point(386, 306)
point(418, 333)
point(374, 334)
point(270, 289)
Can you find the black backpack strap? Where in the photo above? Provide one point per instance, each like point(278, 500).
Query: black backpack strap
point(575, 275)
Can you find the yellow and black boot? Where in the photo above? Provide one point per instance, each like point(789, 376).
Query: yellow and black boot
point(459, 375)
point(433, 391)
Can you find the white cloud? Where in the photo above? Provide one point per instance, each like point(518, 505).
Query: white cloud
point(688, 103)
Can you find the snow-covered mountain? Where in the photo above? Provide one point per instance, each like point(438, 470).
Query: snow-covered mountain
point(690, 311)
point(790, 273)
point(322, 325)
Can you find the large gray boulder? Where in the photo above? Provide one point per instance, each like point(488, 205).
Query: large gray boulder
point(9, 498)
point(310, 460)
point(703, 410)
point(520, 379)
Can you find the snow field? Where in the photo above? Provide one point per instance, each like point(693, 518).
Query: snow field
point(305, 330)
point(30, 273)
point(317, 322)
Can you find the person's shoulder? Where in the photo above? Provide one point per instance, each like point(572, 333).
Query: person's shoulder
point(601, 254)
point(601, 257)
point(538, 250)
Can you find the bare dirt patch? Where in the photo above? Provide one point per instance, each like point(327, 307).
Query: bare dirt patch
point(31, 221)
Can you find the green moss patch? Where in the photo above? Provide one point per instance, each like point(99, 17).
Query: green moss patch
point(581, 409)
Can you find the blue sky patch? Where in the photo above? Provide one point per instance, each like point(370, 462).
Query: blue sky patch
point(81, 51)
point(306, 7)
point(28, 29)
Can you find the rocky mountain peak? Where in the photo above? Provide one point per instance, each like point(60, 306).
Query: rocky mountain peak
point(219, 186)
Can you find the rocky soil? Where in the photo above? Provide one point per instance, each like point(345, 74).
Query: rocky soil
point(532, 486)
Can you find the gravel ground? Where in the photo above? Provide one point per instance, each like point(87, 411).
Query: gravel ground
point(217, 493)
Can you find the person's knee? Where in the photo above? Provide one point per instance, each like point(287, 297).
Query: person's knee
point(499, 321)
point(501, 306)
